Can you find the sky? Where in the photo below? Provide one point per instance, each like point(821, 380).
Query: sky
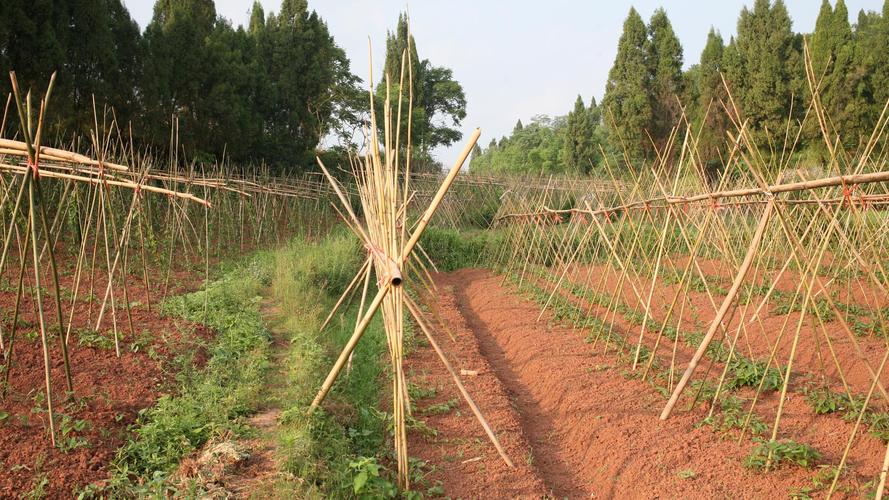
point(515, 58)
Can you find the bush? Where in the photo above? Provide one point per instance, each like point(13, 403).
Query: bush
point(451, 250)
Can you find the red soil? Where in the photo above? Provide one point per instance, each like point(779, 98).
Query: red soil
point(757, 338)
point(108, 391)
point(576, 426)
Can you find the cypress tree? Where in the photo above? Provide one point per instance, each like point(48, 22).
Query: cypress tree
point(579, 148)
point(709, 113)
point(664, 59)
point(763, 63)
point(129, 56)
point(870, 76)
point(832, 51)
point(178, 60)
point(627, 90)
point(880, 65)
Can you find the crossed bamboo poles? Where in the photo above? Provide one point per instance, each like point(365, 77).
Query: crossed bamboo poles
point(383, 182)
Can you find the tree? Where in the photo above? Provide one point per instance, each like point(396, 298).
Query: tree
point(32, 34)
point(869, 77)
point(627, 89)
point(178, 59)
point(580, 148)
point(129, 55)
point(763, 65)
point(439, 104)
point(476, 157)
point(664, 60)
point(832, 50)
point(304, 66)
point(536, 148)
point(708, 115)
point(92, 44)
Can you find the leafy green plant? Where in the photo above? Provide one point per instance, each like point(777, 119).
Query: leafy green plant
point(822, 479)
point(879, 424)
point(773, 453)
point(824, 401)
point(88, 337)
point(733, 416)
point(38, 490)
point(69, 428)
point(440, 408)
point(417, 392)
point(746, 373)
point(367, 482)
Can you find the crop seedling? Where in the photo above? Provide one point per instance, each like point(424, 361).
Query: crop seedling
point(440, 408)
point(773, 453)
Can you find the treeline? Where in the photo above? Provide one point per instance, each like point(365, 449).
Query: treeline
point(647, 91)
point(268, 91)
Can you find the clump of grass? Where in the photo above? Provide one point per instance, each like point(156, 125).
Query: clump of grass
point(451, 249)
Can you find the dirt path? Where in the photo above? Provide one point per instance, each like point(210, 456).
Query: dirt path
point(250, 468)
point(262, 468)
point(585, 428)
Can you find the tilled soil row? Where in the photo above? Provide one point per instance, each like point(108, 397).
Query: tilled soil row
point(577, 426)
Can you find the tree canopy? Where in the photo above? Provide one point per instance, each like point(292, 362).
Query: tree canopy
point(439, 103)
point(648, 92)
point(268, 92)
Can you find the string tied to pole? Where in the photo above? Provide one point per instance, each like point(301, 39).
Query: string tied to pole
point(847, 193)
point(34, 167)
point(393, 271)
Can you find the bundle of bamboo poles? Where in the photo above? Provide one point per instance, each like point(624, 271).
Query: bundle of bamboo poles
point(382, 179)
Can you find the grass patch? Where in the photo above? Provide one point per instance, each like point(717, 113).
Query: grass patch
point(210, 401)
point(339, 451)
point(451, 250)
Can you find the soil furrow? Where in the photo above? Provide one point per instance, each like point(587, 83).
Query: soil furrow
point(593, 430)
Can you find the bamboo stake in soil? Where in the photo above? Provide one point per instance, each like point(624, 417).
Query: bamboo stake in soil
point(378, 299)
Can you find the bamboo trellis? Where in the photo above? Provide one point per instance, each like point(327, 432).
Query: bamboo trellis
point(774, 266)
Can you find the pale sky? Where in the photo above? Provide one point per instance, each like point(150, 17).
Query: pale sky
point(515, 58)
